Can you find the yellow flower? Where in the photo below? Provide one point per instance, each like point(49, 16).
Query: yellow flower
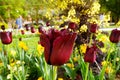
point(104, 63)
point(13, 53)
point(83, 28)
point(83, 48)
point(25, 48)
point(117, 59)
point(12, 64)
point(104, 38)
point(40, 49)
point(37, 32)
point(40, 78)
point(23, 45)
point(75, 59)
point(60, 78)
point(70, 65)
point(108, 70)
point(1, 64)
point(0, 49)
point(104, 50)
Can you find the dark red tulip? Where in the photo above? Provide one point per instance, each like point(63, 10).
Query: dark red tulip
point(90, 55)
point(6, 37)
point(32, 30)
point(47, 23)
point(27, 27)
point(41, 29)
point(72, 25)
point(115, 36)
point(22, 32)
point(93, 28)
point(58, 45)
point(2, 27)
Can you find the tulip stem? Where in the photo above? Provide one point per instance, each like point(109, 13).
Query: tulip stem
point(54, 72)
point(87, 68)
point(97, 65)
point(78, 49)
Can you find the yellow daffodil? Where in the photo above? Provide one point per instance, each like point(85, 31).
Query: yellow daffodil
point(75, 59)
point(104, 63)
point(70, 65)
point(83, 48)
point(23, 45)
point(109, 70)
point(104, 50)
point(0, 49)
point(104, 38)
point(12, 64)
point(13, 53)
point(60, 78)
point(40, 78)
point(40, 49)
point(1, 64)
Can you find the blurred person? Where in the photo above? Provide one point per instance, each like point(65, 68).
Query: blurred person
point(19, 22)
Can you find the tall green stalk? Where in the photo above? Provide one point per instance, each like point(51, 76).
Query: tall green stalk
point(87, 69)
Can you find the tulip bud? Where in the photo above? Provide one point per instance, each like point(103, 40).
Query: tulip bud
point(6, 37)
point(41, 29)
point(32, 30)
point(47, 23)
point(93, 28)
point(27, 27)
point(115, 36)
point(2, 27)
point(90, 55)
point(72, 26)
point(22, 32)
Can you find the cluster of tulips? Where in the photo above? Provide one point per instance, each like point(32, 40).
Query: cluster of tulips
point(59, 44)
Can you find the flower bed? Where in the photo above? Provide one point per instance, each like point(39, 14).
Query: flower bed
point(27, 57)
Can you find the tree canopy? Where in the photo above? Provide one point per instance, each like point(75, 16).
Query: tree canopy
point(113, 6)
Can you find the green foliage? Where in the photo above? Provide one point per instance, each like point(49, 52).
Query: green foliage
point(11, 9)
point(113, 6)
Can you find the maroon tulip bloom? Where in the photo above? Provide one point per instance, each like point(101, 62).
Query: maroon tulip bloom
point(27, 27)
point(58, 45)
point(22, 32)
point(47, 23)
point(90, 55)
point(2, 27)
point(115, 36)
point(32, 30)
point(41, 29)
point(72, 25)
point(93, 28)
point(6, 37)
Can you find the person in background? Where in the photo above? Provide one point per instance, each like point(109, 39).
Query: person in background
point(19, 22)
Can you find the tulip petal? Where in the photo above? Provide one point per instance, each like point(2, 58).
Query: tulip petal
point(44, 40)
point(53, 34)
point(90, 55)
point(62, 49)
point(115, 36)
